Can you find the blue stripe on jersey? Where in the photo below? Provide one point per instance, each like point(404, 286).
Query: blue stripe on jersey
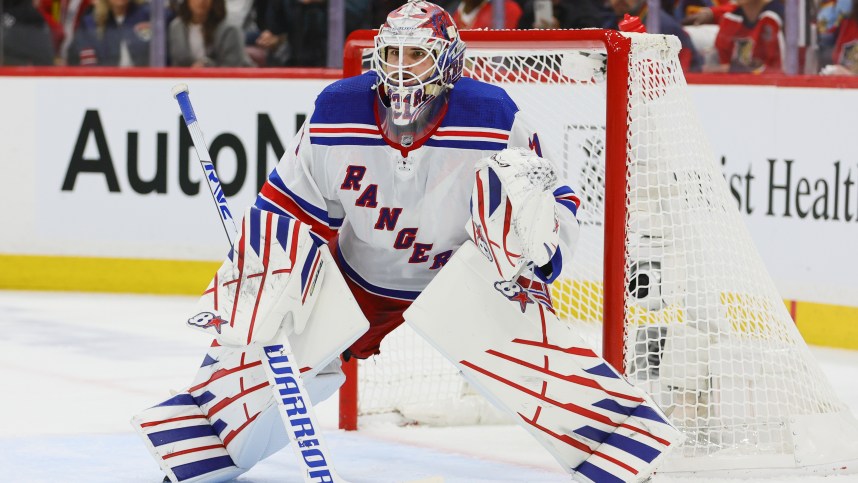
point(283, 224)
point(387, 292)
point(475, 145)
point(569, 206)
point(335, 222)
point(263, 204)
point(645, 452)
point(209, 360)
point(472, 103)
point(183, 399)
point(255, 235)
point(597, 474)
point(565, 191)
point(346, 141)
point(494, 191)
point(197, 468)
point(180, 434)
point(319, 213)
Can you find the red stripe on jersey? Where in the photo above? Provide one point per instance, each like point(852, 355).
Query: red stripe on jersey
point(473, 134)
point(343, 130)
point(289, 206)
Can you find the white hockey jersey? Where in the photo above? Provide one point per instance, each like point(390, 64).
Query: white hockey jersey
point(399, 213)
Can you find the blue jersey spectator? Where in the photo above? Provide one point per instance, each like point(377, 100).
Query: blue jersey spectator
point(114, 33)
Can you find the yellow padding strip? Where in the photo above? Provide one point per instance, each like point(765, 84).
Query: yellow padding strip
point(819, 324)
point(828, 325)
point(87, 274)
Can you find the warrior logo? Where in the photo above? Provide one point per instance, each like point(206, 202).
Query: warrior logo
point(205, 320)
point(514, 293)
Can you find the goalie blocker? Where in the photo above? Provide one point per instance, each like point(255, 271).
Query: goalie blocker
point(278, 288)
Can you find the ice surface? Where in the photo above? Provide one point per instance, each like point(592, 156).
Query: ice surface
point(75, 367)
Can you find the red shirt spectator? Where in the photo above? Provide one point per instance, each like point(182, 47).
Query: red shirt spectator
point(750, 39)
point(846, 47)
point(477, 14)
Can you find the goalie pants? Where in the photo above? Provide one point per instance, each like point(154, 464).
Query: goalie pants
point(383, 313)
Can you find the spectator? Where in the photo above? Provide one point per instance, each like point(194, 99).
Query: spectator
point(305, 24)
point(113, 33)
point(200, 36)
point(26, 36)
point(829, 16)
point(688, 56)
point(479, 14)
point(264, 45)
point(845, 54)
point(240, 12)
point(566, 14)
point(750, 39)
point(63, 17)
point(691, 14)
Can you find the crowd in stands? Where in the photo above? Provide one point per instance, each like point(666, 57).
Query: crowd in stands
point(745, 36)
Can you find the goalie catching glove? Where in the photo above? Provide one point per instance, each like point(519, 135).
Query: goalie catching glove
point(269, 278)
point(513, 211)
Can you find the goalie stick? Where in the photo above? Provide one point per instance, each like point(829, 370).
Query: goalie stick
point(280, 368)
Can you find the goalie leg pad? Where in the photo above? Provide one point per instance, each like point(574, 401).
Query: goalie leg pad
point(227, 421)
point(512, 349)
point(184, 444)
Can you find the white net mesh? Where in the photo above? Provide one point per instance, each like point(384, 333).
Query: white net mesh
point(705, 330)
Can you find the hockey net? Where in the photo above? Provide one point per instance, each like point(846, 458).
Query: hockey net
point(665, 277)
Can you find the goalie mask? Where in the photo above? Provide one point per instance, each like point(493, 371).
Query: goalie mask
point(418, 57)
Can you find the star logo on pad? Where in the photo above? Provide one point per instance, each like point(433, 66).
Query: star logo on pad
point(523, 299)
point(514, 293)
point(204, 320)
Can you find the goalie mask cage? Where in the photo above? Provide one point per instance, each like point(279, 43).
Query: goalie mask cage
point(665, 276)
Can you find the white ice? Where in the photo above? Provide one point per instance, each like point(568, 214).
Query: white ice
point(75, 367)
